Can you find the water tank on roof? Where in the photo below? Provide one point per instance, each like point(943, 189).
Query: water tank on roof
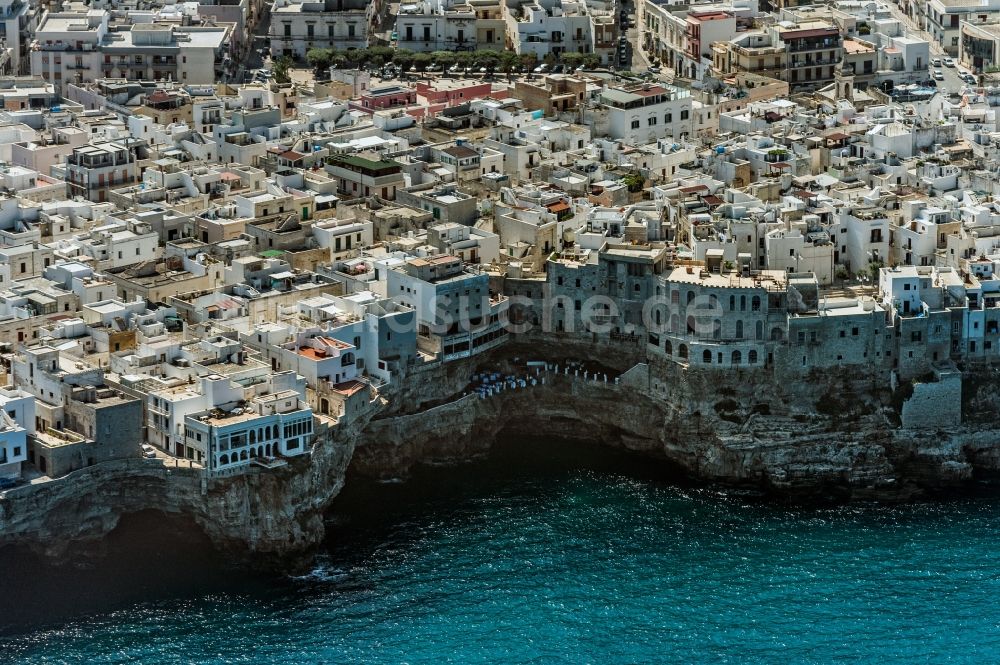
point(720, 149)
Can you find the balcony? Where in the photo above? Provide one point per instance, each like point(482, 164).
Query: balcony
point(823, 45)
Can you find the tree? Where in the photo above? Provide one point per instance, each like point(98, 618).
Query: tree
point(281, 66)
point(319, 58)
point(444, 59)
point(464, 59)
point(528, 60)
point(487, 59)
point(572, 59)
point(403, 57)
point(634, 181)
point(338, 59)
point(508, 60)
point(591, 61)
point(354, 57)
point(421, 60)
point(379, 55)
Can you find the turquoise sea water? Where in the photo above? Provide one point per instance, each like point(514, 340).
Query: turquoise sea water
point(544, 553)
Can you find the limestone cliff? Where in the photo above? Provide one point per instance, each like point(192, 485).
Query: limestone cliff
point(835, 435)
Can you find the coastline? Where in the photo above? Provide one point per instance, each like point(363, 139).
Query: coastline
point(753, 433)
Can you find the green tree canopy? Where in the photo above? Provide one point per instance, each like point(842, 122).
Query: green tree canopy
point(281, 66)
point(319, 58)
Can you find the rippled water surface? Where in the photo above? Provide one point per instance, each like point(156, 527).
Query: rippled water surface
point(544, 553)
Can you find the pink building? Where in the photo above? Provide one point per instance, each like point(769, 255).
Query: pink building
point(389, 96)
point(451, 93)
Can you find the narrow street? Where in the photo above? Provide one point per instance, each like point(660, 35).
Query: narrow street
point(951, 82)
point(639, 61)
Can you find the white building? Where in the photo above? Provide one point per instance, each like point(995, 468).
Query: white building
point(645, 113)
point(76, 47)
point(17, 420)
point(549, 26)
point(299, 25)
point(271, 426)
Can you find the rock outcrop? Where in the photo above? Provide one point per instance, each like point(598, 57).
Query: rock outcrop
point(823, 436)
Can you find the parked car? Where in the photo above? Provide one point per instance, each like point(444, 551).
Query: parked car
point(654, 69)
point(542, 68)
point(948, 62)
point(148, 451)
point(938, 75)
point(935, 62)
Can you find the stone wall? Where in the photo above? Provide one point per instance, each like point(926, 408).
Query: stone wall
point(934, 404)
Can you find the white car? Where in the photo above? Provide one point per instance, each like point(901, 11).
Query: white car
point(148, 451)
point(935, 62)
point(938, 75)
point(948, 62)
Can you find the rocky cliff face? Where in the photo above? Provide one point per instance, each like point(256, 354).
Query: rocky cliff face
point(823, 436)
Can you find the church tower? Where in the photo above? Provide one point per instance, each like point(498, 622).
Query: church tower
point(844, 81)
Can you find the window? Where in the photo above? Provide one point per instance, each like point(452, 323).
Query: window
point(288, 30)
point(915, 336)
point(684, 115)
point(668, 118)
point(635, 124)
point(651, 121)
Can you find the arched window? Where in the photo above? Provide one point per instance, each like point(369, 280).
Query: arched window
point(713, 301)
point(776, 334)
point(224, 459)
point(656, 316)
point(682, 351)
point(675, 297)
point(759, 330)
point(737, 357)
point(707, 357)
point(668, 348)
point(755, 304)
point(253, 436)
point(743, 303)
point(716, 329)
point(732, 303)
point(691, 327)
point(752, 356)
point(690, 297)
point(347, 359)
point(244, 455)
point(739, 330)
